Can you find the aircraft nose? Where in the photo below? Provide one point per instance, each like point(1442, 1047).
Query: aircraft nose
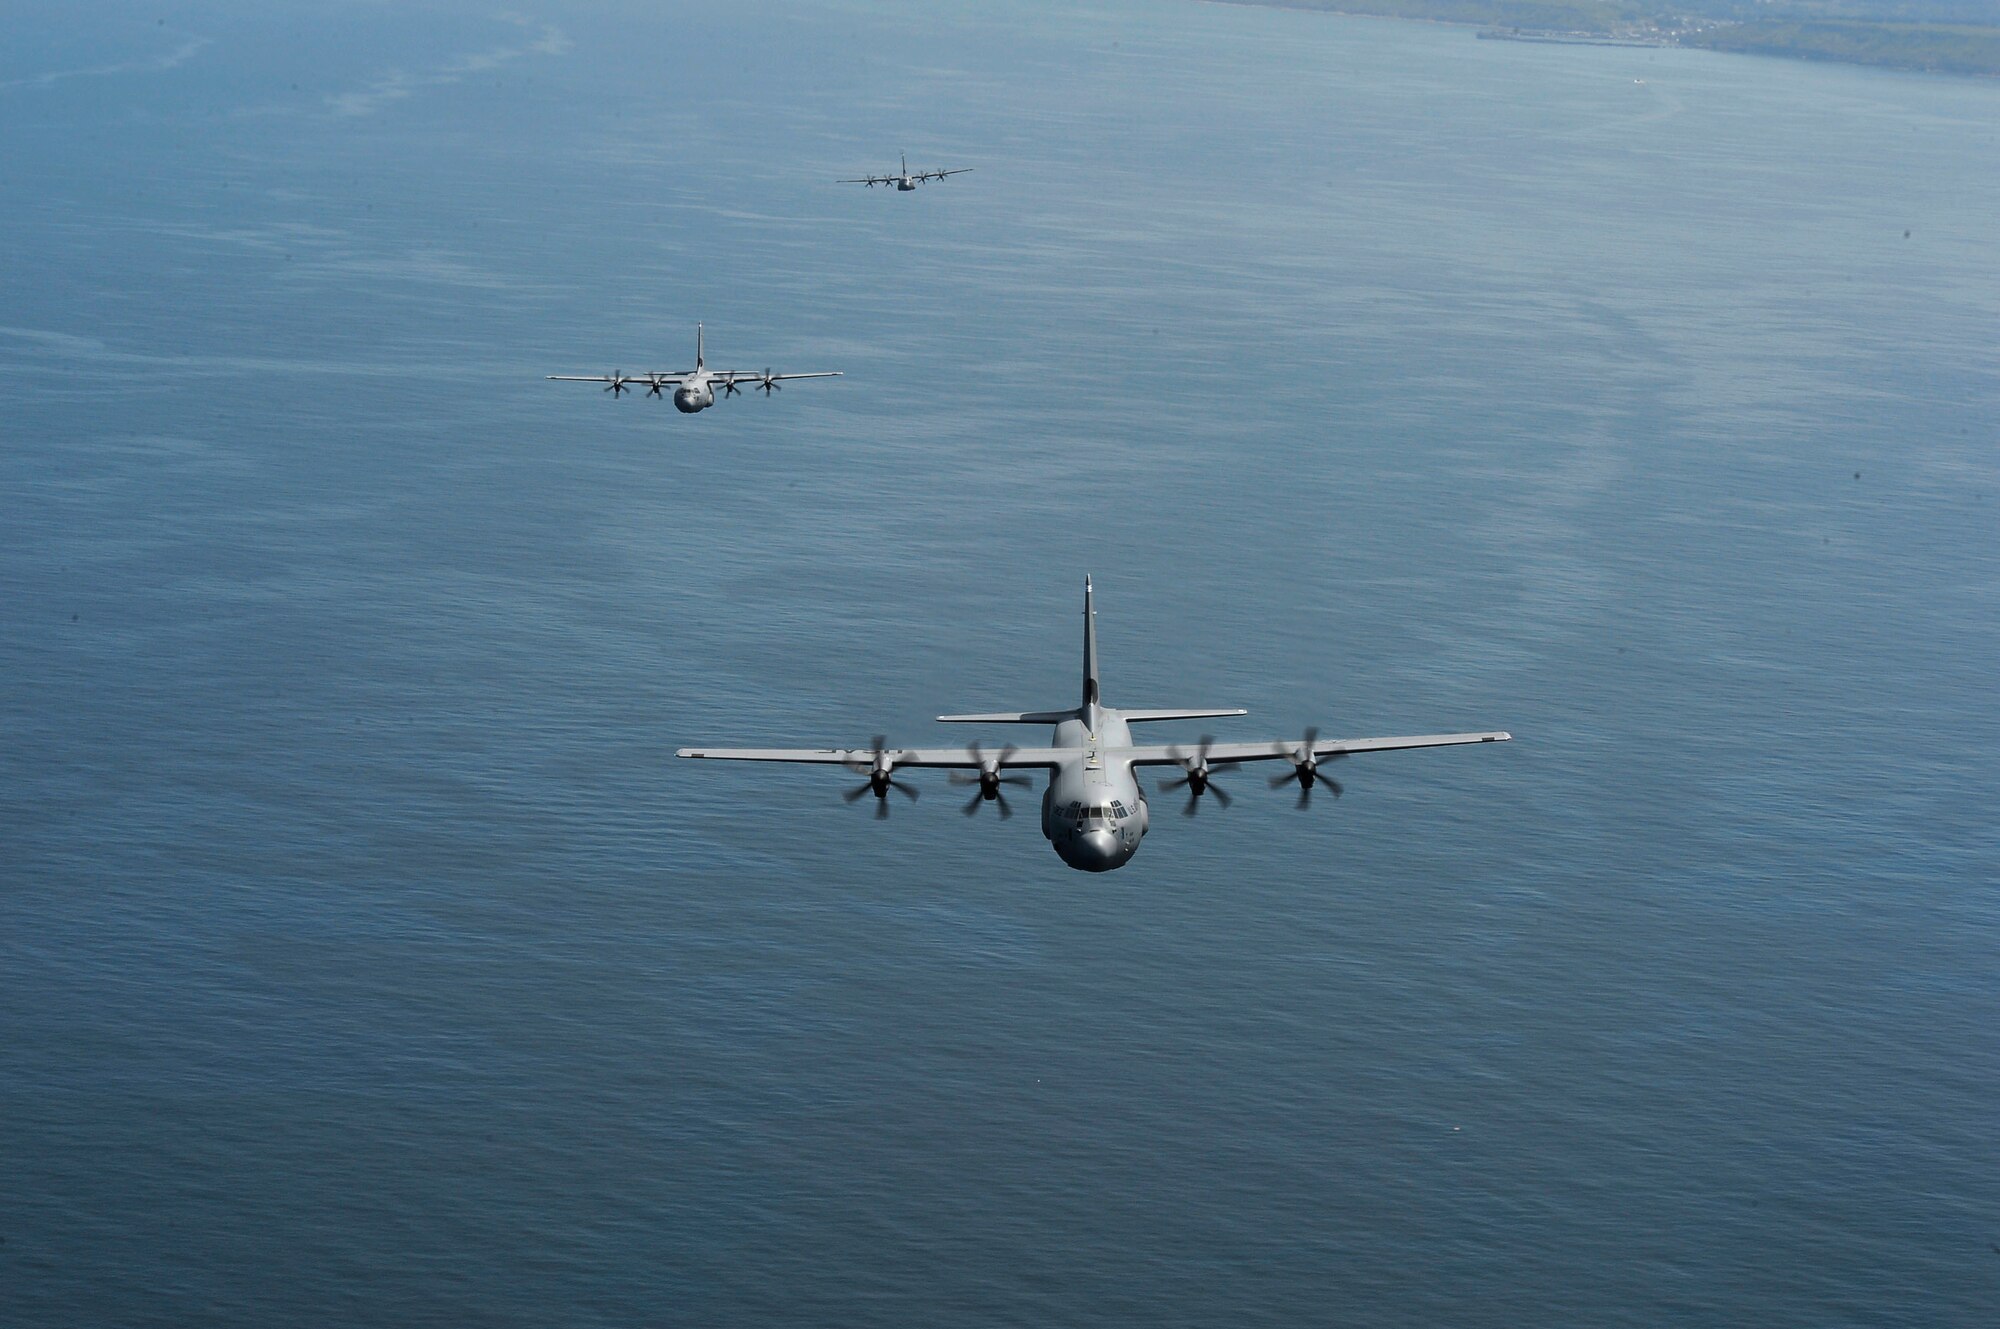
point(1095, 851)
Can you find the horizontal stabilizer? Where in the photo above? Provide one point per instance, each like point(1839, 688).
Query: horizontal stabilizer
point(1133, 717)
point(1011, 717)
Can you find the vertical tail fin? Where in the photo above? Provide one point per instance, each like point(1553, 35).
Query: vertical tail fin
point(1090, 693)
point(697, 346)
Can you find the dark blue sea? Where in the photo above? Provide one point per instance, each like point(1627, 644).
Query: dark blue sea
point(367, 959)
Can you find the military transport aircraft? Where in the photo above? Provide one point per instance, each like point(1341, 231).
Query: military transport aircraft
point(694, 390)
point(1093, 811)
point(903, 179)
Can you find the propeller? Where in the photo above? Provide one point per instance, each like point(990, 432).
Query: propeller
point(618, 382)
point(1305, 770)
point(1198, 777)
point(769, 383)
point(989, 780)
point(729, 388)
point(654, 384)
point(880, 780)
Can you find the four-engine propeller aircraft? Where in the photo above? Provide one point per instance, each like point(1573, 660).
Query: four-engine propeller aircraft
point(904, 180)
point(693, 390)
point(1093, 811)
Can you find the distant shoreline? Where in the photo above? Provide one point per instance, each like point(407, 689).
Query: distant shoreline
point(1916, 47)
point(1566, 39)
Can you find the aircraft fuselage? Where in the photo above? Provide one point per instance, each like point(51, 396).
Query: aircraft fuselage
point(694, 395)
point(1094, 812)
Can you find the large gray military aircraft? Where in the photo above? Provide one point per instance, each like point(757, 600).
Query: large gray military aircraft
point(694, 390)
point(1094, 810)
point(903, 179)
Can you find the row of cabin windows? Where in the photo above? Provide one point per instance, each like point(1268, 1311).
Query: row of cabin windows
point(1100, 811)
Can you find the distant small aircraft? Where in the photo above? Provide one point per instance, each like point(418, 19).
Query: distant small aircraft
point(903, 179)
point(694, 390)
point(1093, 811)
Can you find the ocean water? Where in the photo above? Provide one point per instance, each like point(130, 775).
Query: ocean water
point(366, 958)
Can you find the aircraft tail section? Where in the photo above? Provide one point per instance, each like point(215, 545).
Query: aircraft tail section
point(1090, 689)
point(1057, 717)
point(1090, 693)
point(697, 346)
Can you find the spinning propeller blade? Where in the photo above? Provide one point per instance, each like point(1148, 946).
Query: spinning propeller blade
point(989, 779)
point(880, 779)
point(1199, 779)
point(1306, 771)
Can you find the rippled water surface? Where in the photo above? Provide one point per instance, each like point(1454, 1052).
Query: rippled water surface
point(365, 957)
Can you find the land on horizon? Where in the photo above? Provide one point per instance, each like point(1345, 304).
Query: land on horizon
point(1941, 36)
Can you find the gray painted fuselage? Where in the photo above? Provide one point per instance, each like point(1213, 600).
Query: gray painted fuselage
point(1094, 811)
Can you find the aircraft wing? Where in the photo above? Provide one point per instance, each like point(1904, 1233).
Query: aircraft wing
point(744, 380)
point(1287, 749)
point(901, 758)
point(629, 380)
point(939, 175)
point(870, 180)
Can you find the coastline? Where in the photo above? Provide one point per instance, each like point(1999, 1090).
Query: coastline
point(1962, 50)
